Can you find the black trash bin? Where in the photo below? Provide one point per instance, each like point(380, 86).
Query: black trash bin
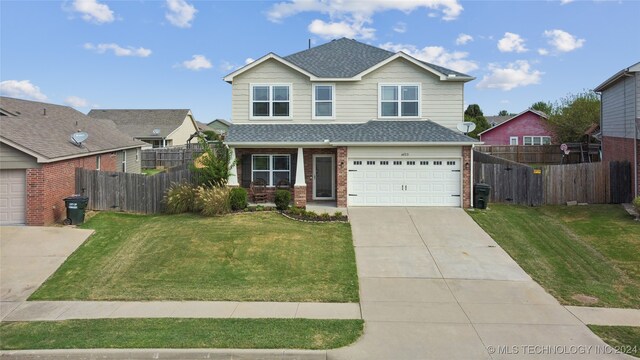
point(76, 205)
point(481, 195)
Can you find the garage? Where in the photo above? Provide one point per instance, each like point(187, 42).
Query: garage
point(12, 197)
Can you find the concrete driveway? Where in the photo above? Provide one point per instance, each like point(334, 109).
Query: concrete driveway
point(28, 256)
point(434, 285)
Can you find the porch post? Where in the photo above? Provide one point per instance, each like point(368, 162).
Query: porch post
point(300, 186)
point(233, 171)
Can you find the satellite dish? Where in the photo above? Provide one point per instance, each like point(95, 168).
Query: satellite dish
point(156, 131)
point(564, 147)
point(466, 127)
point(79, 137)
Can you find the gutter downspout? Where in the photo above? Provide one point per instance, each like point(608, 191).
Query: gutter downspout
point(471, 182)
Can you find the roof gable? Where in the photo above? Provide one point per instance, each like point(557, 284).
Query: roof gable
point(539, 113)
point(142, 122)
point(617, 76)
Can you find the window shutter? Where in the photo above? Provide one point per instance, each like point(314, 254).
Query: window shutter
point(246, 171)
point(294, 166)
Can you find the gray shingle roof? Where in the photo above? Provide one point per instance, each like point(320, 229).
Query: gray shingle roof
point(48, 135)
point(373, 131)
point(345, 58)
point(141, 123)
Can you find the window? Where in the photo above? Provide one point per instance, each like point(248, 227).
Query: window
point(271, 168)
point(124, 161)
point(371, 162)
point(270, 101)
point(411, 162)
point(513, 140)
point(451, 162)
point(357, 162)
point(98, 162)
point(397, 163)
point(424, 163)
point(399, 100)
point(323, 101)
point(137, 155)
point(384, 163)
point(437, 163)
point(536, 140)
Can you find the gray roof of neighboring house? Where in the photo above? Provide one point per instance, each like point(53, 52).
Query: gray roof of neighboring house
point(140, 123)
point(345, 58)
point(45, 129)
point(371, 131)
point(222, 121)
point(497, 119)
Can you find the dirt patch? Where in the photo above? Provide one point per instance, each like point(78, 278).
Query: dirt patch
point(585, 299)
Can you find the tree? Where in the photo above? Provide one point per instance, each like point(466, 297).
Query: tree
point(473, 111)
point(481, 125)
point(573, 114)
point(212, 168)
point(503, 113)
point(545, 107)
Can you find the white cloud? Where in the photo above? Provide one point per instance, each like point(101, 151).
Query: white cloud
point(562, 41)
point(249, 60)
point(463, 39)
point(93, 11)
point(351, 18)
point(118, 50)
point(456, 60)
point(332, 30)
point(543, 52)
point(511, 43)
point(514, 75)
point(180, 13)
point(76, 101)
point(400, 27)
point(504, 101)
point(21, 89)
point(565, 2)
point(197, 62)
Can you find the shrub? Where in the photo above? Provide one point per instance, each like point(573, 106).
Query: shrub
point(296, 211)
point(325, 216)
point(310, 214)
point(213, 201)
point(636, 204)
point(180, 198)
point(337, 214)
point(282, 199)
point(238, 199)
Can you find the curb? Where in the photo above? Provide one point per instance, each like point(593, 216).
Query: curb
point(215, 354)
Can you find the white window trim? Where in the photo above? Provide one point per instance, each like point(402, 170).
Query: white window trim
point(270, 117)
point(333, 102)
point(98, 162)
point(511, 140)
point(271, 171)
point(399, 84)
point(124, 160)
point(531, 137)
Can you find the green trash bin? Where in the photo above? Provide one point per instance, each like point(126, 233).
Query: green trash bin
point(481, 195)
point(76, 206)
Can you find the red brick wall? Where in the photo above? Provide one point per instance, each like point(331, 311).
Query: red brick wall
point(466, 177)
point(341, 174)
point(49, 185)
point(622, 149)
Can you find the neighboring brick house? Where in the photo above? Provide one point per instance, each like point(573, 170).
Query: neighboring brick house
point(159, 128)
point(530, 127)
point(38, 159)
point(620, 120)
point(352, 123)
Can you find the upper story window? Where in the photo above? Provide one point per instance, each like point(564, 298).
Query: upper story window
point(324, 101)
point(399, 100)
point(270, 101)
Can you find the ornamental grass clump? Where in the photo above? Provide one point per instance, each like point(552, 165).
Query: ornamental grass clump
point(213, 201)
point(180, 198)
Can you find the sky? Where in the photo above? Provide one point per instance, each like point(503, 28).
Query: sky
point(174, 53)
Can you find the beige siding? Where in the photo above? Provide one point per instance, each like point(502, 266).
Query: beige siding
point(11, 158)
point(133, 162)
point(356, 101)
point(408, 151)
point(181, 134)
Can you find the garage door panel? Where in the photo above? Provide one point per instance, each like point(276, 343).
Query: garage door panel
point(404, 182)
point(12, 197)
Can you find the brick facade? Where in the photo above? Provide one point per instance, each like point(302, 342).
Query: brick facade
point(341, 181)
point(622, 149)
point(50, 184)
point(466, 177)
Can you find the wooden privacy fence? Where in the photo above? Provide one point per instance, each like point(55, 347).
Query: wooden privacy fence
point(168, 157)
point(543, 154)
point(128, 192)
point(593, 183)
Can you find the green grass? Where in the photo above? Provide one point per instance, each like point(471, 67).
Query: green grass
point(246, 257)
point(583, 255)
point(625, 339)
point(152, 171)
point(180, 333)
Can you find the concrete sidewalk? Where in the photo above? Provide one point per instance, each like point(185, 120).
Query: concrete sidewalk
point(434, 285)
point(606, 316)
point(65, 310)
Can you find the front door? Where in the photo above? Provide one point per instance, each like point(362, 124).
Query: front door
point(323, 177)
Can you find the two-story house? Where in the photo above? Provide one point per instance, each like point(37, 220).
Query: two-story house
point(352, 123)
point(620, 120)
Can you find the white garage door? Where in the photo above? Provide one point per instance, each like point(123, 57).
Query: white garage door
point(404, 182)
point(12, 197)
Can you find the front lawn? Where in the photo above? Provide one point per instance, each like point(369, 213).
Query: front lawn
point(625, 339)
point(583, 255)
point(245, 257)
point(180, 333)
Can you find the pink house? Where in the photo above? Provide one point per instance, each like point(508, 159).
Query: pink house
point(530, 127)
